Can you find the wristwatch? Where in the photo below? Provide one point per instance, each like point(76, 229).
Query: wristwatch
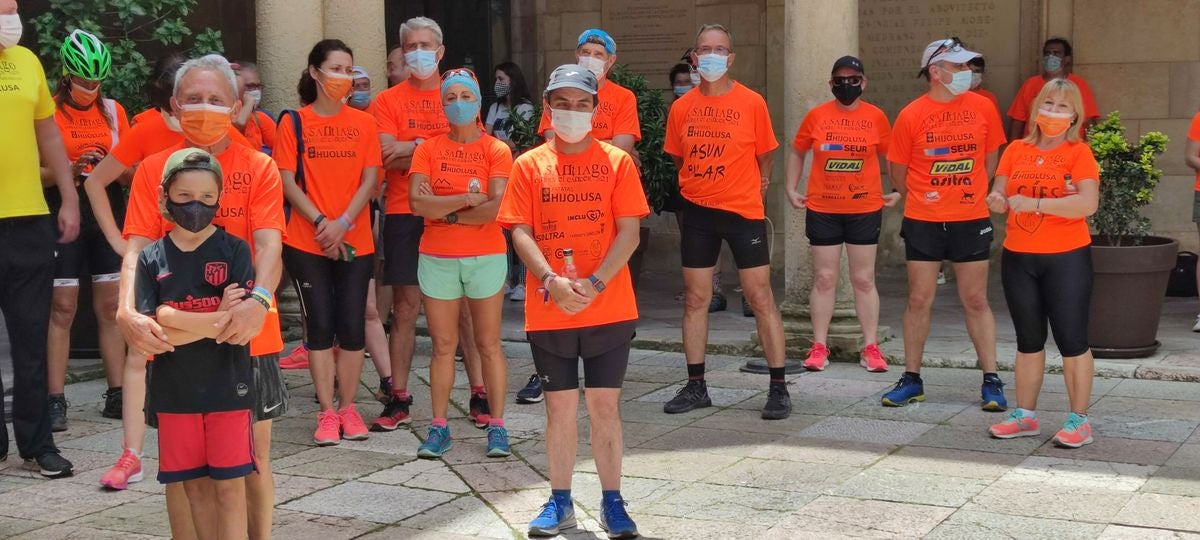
point(599, 285)
point(452, 218)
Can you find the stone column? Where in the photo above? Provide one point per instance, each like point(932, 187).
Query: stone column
point(360, 23)
point(815, 34)
point(287, 29)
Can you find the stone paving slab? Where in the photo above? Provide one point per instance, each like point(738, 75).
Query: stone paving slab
point(970, 524)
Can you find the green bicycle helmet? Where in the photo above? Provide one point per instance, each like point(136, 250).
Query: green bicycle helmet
point(83, 55)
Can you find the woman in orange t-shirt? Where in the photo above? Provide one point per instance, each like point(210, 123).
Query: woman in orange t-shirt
point(1048, 183)
point(844, 204)
point(458, 179)
point(90, 125)
point(329, 252)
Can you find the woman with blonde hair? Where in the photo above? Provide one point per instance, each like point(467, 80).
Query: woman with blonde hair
point(1048, 183)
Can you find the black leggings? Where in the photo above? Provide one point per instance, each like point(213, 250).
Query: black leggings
point(1055, 287)
point(333, 297)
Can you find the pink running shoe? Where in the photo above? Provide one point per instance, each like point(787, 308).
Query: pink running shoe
point(128, 469)
point(1016, 424)
point(1076, 432)
point(818, 358)
point(872, 359)
point(329, 428)
point(298, 359)
point(353, 427)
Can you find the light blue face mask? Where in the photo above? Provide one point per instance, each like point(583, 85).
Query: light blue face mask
point(462, 112)
point(713, 66)
point(960, 83)
point(360, 99)
point(422, 63)
point(1053, 63)
point(681, 90)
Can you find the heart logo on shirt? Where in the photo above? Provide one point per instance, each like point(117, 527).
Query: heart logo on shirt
point(594, 215)
point(1029, 221)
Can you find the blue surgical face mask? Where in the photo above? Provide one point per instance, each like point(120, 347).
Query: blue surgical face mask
point(422, 63)
point(462, 112)
point(713, 66)
point(961, 82)
point(360, 99)
point(681, 90)
point(1053, 63)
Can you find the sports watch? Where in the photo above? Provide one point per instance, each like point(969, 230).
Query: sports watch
point(599, 285)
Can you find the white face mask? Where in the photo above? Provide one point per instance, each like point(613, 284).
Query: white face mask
point(171, 121)
point(255, 95)
point(695, 76)
point(571, 126)
point(961, 82)
point(976, 80)
point(594, 65)
point(422, 63)
point(10, 30)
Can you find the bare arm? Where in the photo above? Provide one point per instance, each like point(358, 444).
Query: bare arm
point(178, 337)
point(1079, 205)
point(54, 155)
point(268, 262)
point(104, 173)
point(486, 212)
point(427, 205)
point(564, 294)
point(792, 174)
point(764, 169)
point(208, 325)
point(142, 333)
point(298, 199)
point(990, 162)
point(1192, 158)
point(898, 172)
point(621, 249)
point(397, 154)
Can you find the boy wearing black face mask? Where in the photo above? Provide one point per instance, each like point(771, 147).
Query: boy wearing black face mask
point(843, 202)
point(202, 391)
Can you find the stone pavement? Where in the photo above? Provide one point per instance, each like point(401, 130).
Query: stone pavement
point(841, 466)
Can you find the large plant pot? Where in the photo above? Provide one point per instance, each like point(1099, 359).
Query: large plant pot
point(635, 260)
point(1127, 296)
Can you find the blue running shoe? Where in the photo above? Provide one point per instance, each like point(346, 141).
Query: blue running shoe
point(554, 518)
point(498, 442)
point(615, 520)
point(993, 393)
point(436, 443)
point(909, 389)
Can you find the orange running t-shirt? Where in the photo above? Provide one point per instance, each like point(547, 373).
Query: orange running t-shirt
point(1194, 135)
point(260, 131)
point(142, 116)
point(988, 94)
point(573, 201)
point(845, 177)
point(719, 139)
point(151, 135)
point(407, 114)
point(945, 147)
point(87, 130)
point(337, 149)
point(455, 168)
point(251, 199)
point(616, 114)
point(1022, 105)
point(1046, 174)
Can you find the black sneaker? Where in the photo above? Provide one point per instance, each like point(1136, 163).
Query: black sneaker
point(718, 303)
point(50, 465)
point(779, 403)
point(746, 310)
point(693, 395)
point(479, 411)
point(112, 404)
point(532, 393)
point(58, 412)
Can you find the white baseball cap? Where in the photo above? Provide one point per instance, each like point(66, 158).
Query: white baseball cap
point(946, 50)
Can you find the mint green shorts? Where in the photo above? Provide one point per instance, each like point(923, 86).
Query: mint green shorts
point(443, 278)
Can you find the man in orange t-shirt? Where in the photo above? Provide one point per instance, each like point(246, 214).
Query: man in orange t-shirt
point(944, 147)
point(574, 206)
point(251, 208)
point(1057, 62)
point(721, 139)
point(1192, 157)
point(616, 117)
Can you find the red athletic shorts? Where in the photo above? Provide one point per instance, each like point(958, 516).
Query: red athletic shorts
point(218, 445)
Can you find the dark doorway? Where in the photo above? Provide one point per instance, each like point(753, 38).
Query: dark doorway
point(476, 32)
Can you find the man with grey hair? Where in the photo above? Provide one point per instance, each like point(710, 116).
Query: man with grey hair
point(721, 139)
point(251, 208)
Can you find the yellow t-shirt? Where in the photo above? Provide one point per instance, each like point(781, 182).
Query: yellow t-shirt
point(24, 97)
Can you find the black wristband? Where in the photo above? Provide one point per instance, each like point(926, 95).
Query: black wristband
point(262, 301)
point(320, 218)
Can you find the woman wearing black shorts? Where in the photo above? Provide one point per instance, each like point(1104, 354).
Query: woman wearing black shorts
point(1048, 183)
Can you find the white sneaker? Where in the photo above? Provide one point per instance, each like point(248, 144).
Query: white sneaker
point(518, 294)
point(507, 289)
point(1196, 327)
point(941, 278)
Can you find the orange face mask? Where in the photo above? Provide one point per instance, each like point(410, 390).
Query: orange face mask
point(1054, 124)
point(82, 96)
point(336, 85)
point(204, 124)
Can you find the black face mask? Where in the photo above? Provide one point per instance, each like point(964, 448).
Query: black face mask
point(193, 216)
point(847, 93)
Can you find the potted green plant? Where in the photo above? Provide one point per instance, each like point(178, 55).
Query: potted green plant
point(1130, 267)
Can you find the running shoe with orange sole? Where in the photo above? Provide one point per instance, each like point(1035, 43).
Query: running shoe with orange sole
point(127, 470)
point(818, 357)
point(329, 428)
point(1076, 432)
point(353, 427)
point(872, 359)
point(1016, 425)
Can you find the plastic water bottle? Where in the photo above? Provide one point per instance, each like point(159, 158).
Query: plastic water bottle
point(569, 271)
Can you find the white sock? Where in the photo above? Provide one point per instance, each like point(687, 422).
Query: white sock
point(135, 452)
point(1027, 413)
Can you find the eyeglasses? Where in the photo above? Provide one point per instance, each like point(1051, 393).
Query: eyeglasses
point(951, 45)
point(853, 80)
point(255, 86)
point(460, 71)
point(720, 51)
